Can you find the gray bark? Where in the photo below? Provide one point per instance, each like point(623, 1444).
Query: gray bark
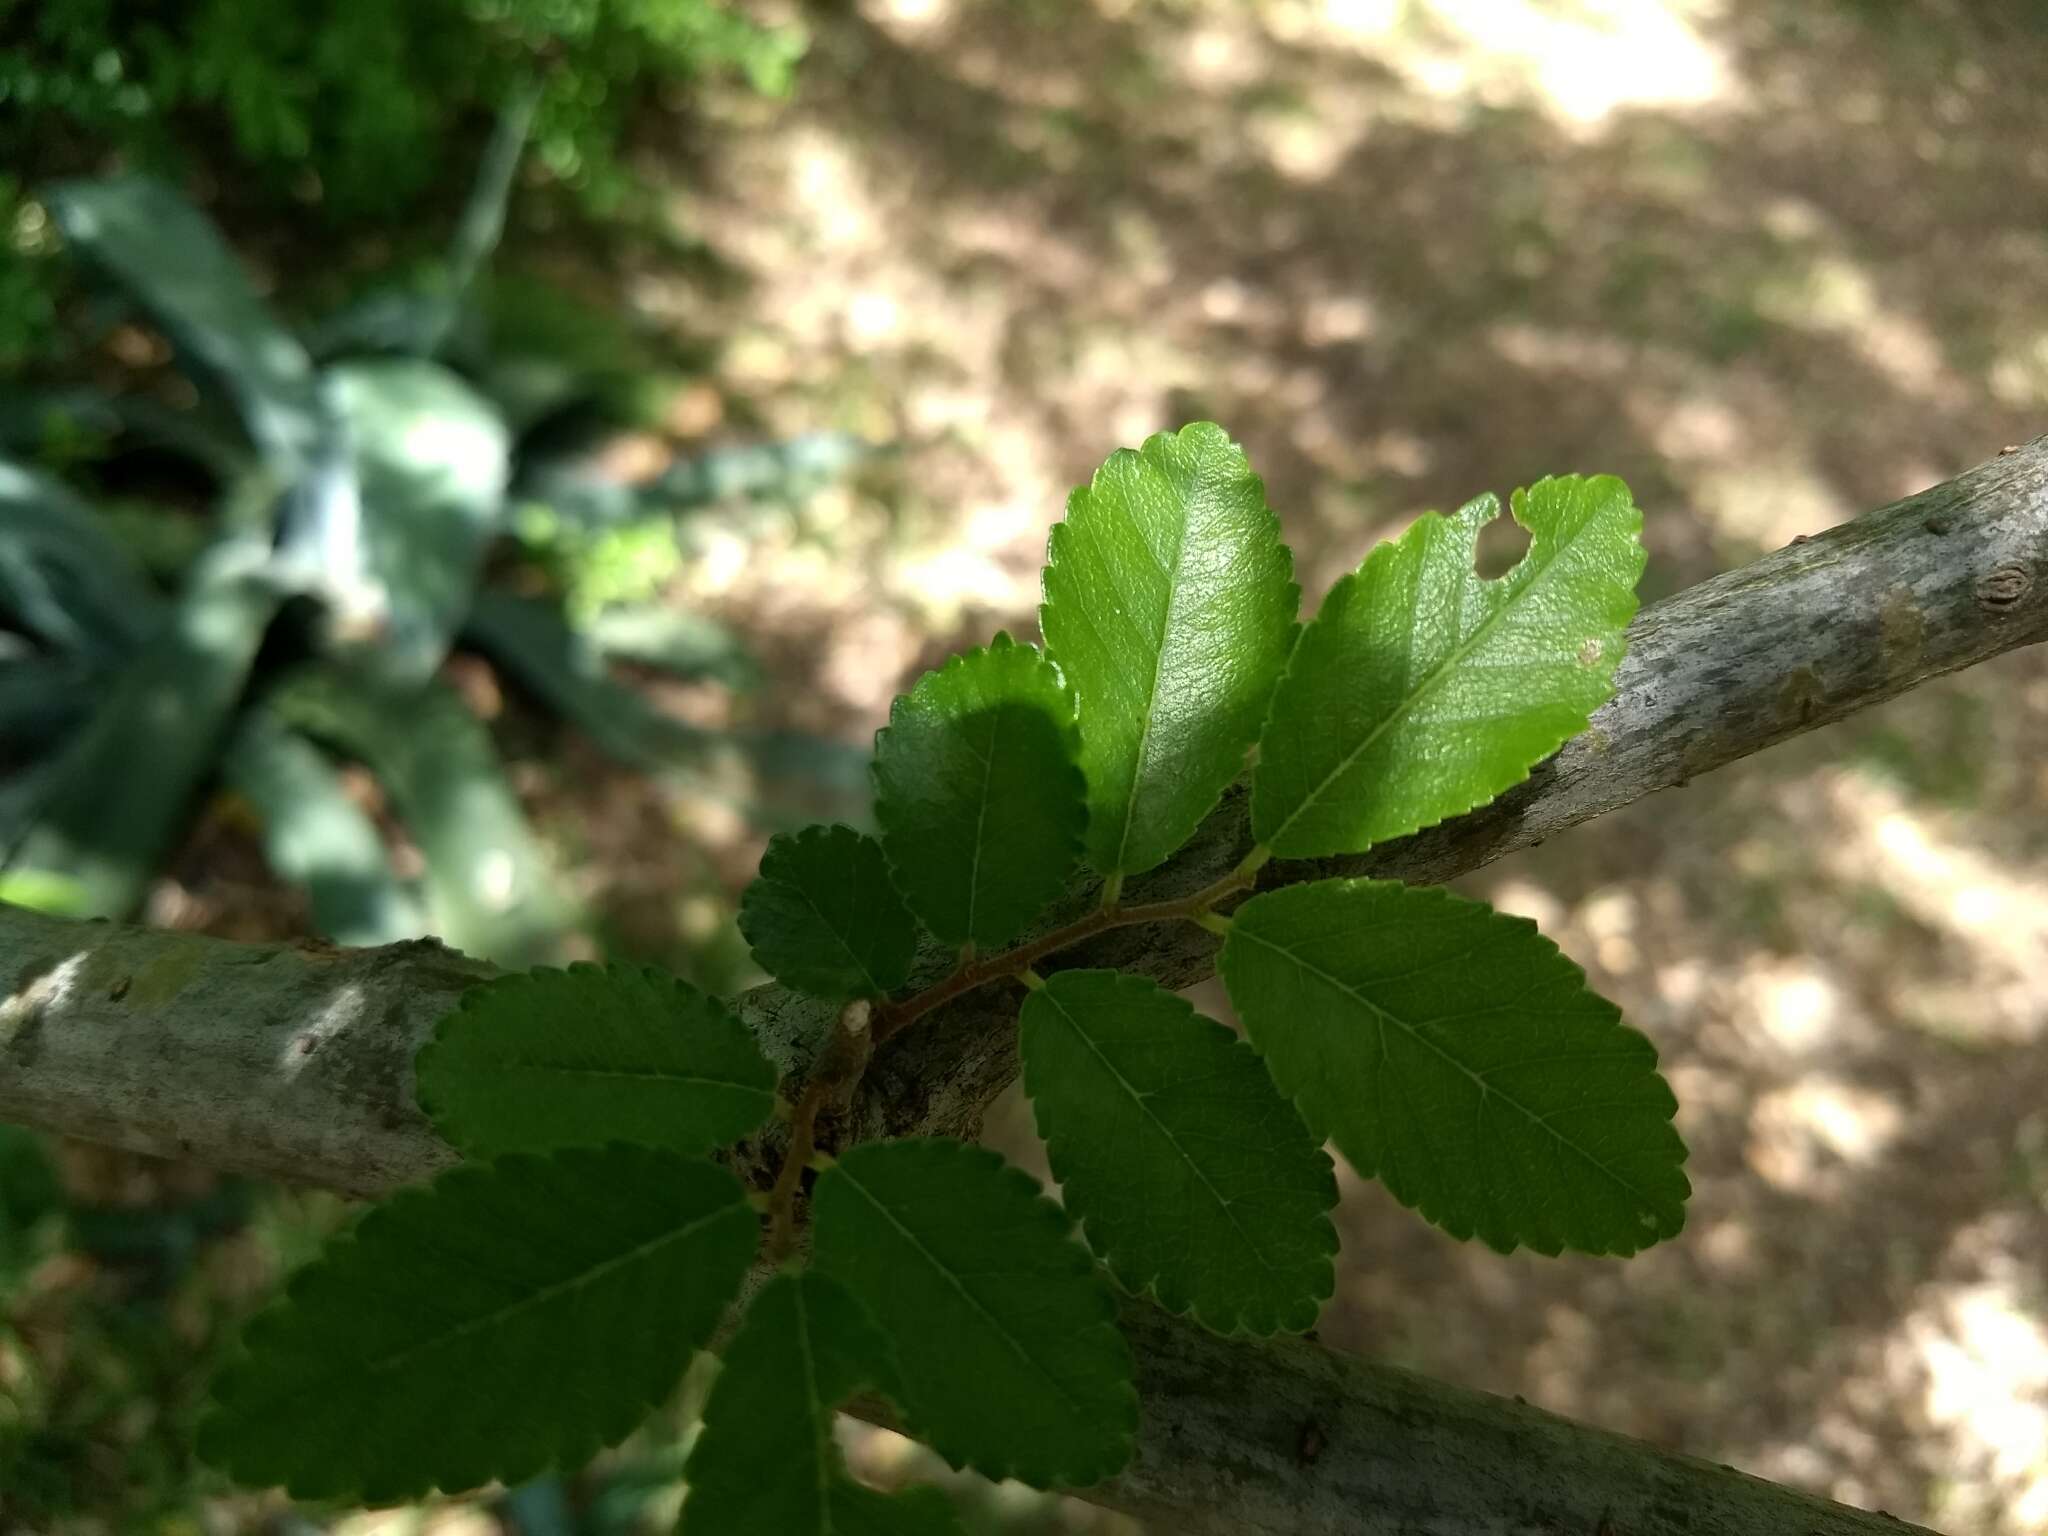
point(295, 1060)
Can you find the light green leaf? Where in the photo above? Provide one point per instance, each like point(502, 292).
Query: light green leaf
point(491, 887)
point(1420, 691)
point(399, 566)
point(765, 1463)
point(589, 1055)
point(825, 918)
point(316, 838)
point(1190, 1174)
point(1452, 1052)
point(507, 1318)
point(1010, 1358)
point(978, 793)
point(1169, 605)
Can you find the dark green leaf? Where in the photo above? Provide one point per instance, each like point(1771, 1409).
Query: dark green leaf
point(1188, 1171)
point(590, 1055)
point(166, 255)
point(530, 638)
point(1010, 1358)
point(825, 918)
point(978, 793)
point(1420, 691)
point(1169, 605)
point(101, 828)
point(765, 1463)
point(1452, 1052)
point(507, 1318)
point(63, 579)
point(317, 838)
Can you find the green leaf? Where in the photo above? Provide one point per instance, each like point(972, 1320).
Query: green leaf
point(765, 1463)
point(318, 839)
point(399, 567)
point(1169, 605)
point(507, 1318)
point(1010, 1357)
point(978, 794)
point(589, 1055)
point(165, 254)
point(1454, 1053)
point(825, 918)
point(1420, 691)
point(1190, 1174)
point(491, 889)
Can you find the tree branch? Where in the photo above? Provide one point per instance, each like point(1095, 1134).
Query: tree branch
point(295, 1060)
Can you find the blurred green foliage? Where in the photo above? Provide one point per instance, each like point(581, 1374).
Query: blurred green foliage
point(360, 102)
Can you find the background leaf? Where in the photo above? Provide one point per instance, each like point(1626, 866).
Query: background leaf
point(1420, 691)
point(1452, 1052)
point(166, 256)
point(589, 1055)
point(977, 790)
point(825, 918)
point(1191, 1175)
point(1169, 605)
point(316, 838)
point(765, 1463)
point(1006, 1336)
point(508, 1317)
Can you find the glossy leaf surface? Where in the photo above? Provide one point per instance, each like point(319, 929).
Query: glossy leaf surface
point(1169, 605)
point(1421, 691)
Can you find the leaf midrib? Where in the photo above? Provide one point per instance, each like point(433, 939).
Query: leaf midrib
point(545, 1294)
point(1486, 1089)
point(974, 1301)
point(1173, 595)
point(1167, 1131)
point(1442, 668)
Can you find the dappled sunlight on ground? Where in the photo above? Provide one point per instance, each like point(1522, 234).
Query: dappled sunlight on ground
point(1775, 263)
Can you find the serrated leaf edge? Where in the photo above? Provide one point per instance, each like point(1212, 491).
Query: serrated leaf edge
point(274, 1316)
point(817, 832)
point(1609, 661)
point(1147, 1285)
point(1054, 1220)
point(1618, 1022)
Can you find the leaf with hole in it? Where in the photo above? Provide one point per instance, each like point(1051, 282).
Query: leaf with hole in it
point(589, 1055)
point(1169, 605)
point(978, 793)
point(765, 1463)
point(825, 918)
point(1452, 1052)
point(1010, 1360)
point(507, 1318)
point(1190, 1173)
point(1420, 691)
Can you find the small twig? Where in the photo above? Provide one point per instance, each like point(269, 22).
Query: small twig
point(893, 1018)
point(832, 1080)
